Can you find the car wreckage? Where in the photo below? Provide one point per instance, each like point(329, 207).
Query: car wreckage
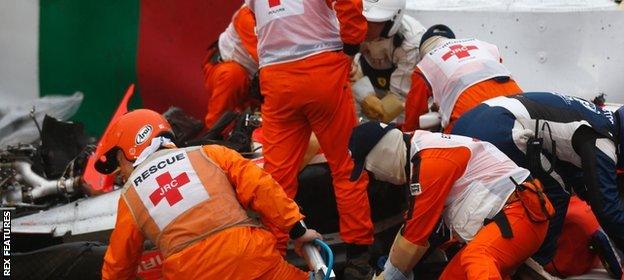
point(64, 211)
point(64, 208)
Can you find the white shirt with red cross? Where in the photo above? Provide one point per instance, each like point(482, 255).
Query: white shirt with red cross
point(455, 66)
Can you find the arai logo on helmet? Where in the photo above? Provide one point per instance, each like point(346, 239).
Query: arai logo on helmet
point(143, 134)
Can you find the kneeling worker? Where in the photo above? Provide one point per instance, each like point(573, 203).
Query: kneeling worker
point(569, 144)
point(192, 204)
point(469, 183)
point(458, 74)
point(230, 66)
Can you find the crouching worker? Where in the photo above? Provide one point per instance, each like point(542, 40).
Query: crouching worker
point(230, 66)
point(458, 74)
point(569, 144)
point(486, 200)
point(192, 203)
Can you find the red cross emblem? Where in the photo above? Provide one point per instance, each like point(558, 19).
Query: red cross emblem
point(273, 3)
point(459, 50)
point(168, 188)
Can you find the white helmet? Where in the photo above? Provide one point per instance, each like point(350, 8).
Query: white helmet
point(385, 10)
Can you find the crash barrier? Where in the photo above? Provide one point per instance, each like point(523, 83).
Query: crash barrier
point(577, 52)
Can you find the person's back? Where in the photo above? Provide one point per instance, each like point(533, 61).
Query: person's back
point(192, 204)
point(170, 190)
point(290, 30)
point(305, 49)
point(482, 196)
point(558, 119)
point(458, 74)
point(455, 66)
point(568, 143)
point(484, 186)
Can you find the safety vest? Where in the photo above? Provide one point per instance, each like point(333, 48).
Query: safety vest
point(232, 48)
point(455, 66)
point(483, 189)
point(290, 30)
point(179, 196)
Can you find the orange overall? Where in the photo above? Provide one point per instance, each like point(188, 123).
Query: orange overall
point(238, 252)
point(313, 94)
point(573, 256)
point(416, 103)
point(227, 83)
point(488, 255)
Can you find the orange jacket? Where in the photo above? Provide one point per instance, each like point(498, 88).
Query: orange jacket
point(439, 169)
point(245, 25)
point(255, 190)
point(573, 257)
point(417, 100)
point(353, 24)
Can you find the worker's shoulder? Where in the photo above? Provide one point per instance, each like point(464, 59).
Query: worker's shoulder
point(216, 152)
point(214, 147)
point(412, 30)
point(446, 157)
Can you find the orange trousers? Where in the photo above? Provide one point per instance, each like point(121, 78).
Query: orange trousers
point(235, 253)
point(490, 256)
point(477, 93)
point(227, 84)
point(573, 256)
point(313, 94)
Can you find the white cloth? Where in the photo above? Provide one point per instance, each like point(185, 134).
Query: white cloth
point(362, 88)
point(291, 30)
point(456, 65)
point(157, 143)
point(482, 190)
point(381, 54)
point(388, 158)
point(231, 48)
point(178, 173)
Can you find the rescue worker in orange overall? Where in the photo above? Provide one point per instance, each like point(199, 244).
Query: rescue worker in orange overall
point(458, 73)
point(230, 65)
point(305, 49)
point(467, 182)
point(383, 69)
point(192, 204)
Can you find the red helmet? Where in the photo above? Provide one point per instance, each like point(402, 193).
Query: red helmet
point(131, 133)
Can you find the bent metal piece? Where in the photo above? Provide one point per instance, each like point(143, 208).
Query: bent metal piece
point(43, 187)
point(316, 263)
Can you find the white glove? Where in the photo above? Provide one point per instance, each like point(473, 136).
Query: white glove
point(362, 88)
point(392, 273)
